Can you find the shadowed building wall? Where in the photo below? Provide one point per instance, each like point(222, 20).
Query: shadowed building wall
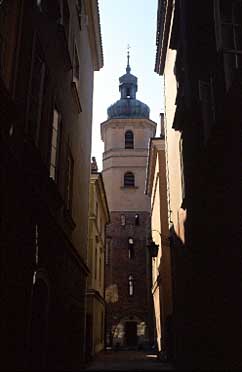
point(47, 60)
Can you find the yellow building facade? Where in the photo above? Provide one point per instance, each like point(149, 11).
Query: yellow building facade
point(98, 218)
point(156, 188)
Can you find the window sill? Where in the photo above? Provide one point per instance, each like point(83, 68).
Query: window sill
point(74, 85)
point(129, 187)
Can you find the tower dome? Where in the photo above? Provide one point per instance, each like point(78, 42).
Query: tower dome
point(128, 106)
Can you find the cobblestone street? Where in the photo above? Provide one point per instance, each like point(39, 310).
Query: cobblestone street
point(127, 361)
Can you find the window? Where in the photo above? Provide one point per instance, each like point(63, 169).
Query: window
point(122, 218)
point(3, 35)
point(129, 179)
point(55, 144)
point(129, 139)
point(95, 264)
point(131, 248)
point(231, 13)
point(79, 6)
point(36, 93)
point(108, 247)
point(136, 220)
point(76, 70)
point(65, 18)
point(69, 180)
point(131, 285)
point(97, 214)
point(76, 78)
point(228, 31)
point(51, 8)
point(128, 92)
point(102, 326)
point(100, 270)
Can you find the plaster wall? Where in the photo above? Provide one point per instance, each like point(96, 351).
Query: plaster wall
point(80, 138)
point(172, 141)
point(117, 161)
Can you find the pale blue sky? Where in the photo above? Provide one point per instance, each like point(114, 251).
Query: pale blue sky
point(126, 22)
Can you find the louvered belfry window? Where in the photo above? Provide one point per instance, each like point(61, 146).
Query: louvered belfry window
point(129, 139)
point(129, 179)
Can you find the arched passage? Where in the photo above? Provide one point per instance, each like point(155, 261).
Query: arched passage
point(130, 332)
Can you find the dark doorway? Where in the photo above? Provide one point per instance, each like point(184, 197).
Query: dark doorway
point(39, 323)
point(131, 334)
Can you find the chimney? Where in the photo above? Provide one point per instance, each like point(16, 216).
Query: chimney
point(162, 130)
point(94, 167)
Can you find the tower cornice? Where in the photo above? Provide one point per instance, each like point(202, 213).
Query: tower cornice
point(123, 123)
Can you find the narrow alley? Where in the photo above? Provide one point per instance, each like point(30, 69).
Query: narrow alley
point(120, 185)
point(128, 361)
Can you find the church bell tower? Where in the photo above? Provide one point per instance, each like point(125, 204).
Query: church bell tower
point(126, 135)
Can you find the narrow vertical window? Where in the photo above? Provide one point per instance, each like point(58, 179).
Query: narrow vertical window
point(131, 285)
point(76, 78)
point(95, 262)
point(76, 71)
point(136, 220)
point(36, 93)
point(228, 32)
point(102, 326)
point(101, 226)
point(129, 139)
point(100, 271)
point(66, 18)
point(54, 152)
point(97, 213)
point(131, 248)
point(108, 242)
point(3, 35)
point(122, 219)
point(69, 180)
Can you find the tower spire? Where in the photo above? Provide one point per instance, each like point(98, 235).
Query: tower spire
point(128, 69)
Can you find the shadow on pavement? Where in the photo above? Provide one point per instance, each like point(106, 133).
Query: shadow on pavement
point(127, 361)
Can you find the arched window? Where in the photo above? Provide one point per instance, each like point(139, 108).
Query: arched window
point(131, 248)
point(129, 179)
point(129, 139)
point(137, 220)
point(131, 285)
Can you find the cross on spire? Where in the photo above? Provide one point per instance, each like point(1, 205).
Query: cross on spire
point(128, 69)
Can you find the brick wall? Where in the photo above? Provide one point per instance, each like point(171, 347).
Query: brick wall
point(119, 266)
